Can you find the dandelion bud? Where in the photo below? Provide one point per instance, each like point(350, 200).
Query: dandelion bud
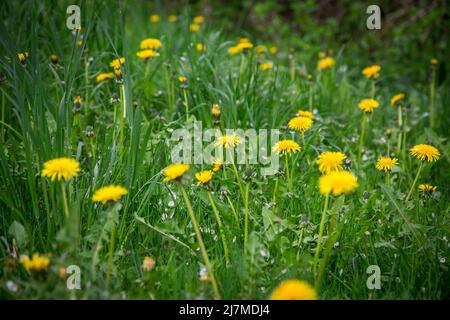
point(215, 110)
point(54, 58)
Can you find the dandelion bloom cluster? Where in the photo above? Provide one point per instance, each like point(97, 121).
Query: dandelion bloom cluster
point(150, 43)
point(228, 141)
point(426, 188)
point(425, 152)
point(104, 76)
point(110, 193)
point(337, 183)
point(372, 72)
point(330, 161)
point(386, 163)
point(294, 290)
point(266, 66)
point(36, 263)
point(286, 146)
point(368, 105)
point(300, 124)
point(325, 63)
point(243, 45)
point(304, 113)
point(62, 169)
point(175, 171)
point(204, 177)
point(397, 98)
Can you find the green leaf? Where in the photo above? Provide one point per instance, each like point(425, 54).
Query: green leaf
point(17, 231)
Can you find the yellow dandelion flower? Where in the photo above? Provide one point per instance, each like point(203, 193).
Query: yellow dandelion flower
point(426, 188)
point(300, 124)
point(372, 72)
point(148, 264)
point(150, 43)
point(36, 263)
point(200, 47)
point(266, 66)
point(234, 50)
point(54, 58)
point(325, 63)
point(116, 63)
point(22, 57)
point(109, 194)
point(368, 105)
point(172, 18)
point(286, 146)
point(62, 169)
point(175, 171)
point(425, 152)
point(307, 114)
point(147, 54)
point(77, 100)
point(294, 289)
point(154, 18)
point(330, 161)
point(337, 183)
point(386, 163)
point(243, 46)
point(104, 76)
point(182, 79)
point(215, 110)
point(273, 50)
point(217, 165)
point(204, 176)
point(228, 141)
point(193, 27)
point(261, 49)
point(397, 98)
point(198, 20)
point(434, 61)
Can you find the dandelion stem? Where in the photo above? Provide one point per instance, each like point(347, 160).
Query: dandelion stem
point(361, 138)
point(432, 97)
point(112, 211)
point(414, 182)
point(234, 211)
point(246, 215)
point(372, 89)
point(186, 104)
point(122, 118)
point(275, 190)
point(400, 124)
point(288, 176)
point(208, 265)
point(321, 228)
point(221, 229)
point(64, 194)
point(304, 148)
point(310, 97)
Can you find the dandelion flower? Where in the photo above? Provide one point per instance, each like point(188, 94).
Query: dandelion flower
point(234, 50)
point(294, 290)
point(198, 20)
point(150, 43)
point(243, 46)
point(372, 72)
point(54, 58)
point(154, 18)
point(228, 141)
point(426, 188)
point(330, 161)
point(182, 79)
point(273, 50)
point(36, 263)
point(286, 146)
point(193, 27)
point(200, 47)
point(104, 76)
point(425, 152)
point(109, 194)
point(325, 63)
point(217, 165)
point(147, 54)
point(368, 105)
point(175, 171)
point(397, 98)
point(22, 57)
point(172, 18)
point(204, 177)
point(116, 63)
point(307, 114)
point(434, 61)
point(300, 124)
point(148, 264)
point(266, 66)
point(337, 183)
point(62, 169)
point(215, 110)
point(386, 163)
point(261, 49)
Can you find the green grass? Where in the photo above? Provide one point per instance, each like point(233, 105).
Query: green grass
point(375, 226)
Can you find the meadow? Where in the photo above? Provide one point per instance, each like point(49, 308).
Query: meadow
point(93, 207)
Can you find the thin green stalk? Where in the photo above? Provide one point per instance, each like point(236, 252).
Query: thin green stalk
point(361, 139)
point(186, 104)
point(388, 178)
point(321, 228)
point(112, 212)
point(404, 137)
point(208, 265)
point(432, 97)
point(234, 211)
point(400, 124)
point(123, 114)
point(310, 97)
point(288, 176)
point(304, 148)
point(246, 215)
point(372, 89)
point(414, 182)
point(221, 229)
point(64, 194)
point(275, 190)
